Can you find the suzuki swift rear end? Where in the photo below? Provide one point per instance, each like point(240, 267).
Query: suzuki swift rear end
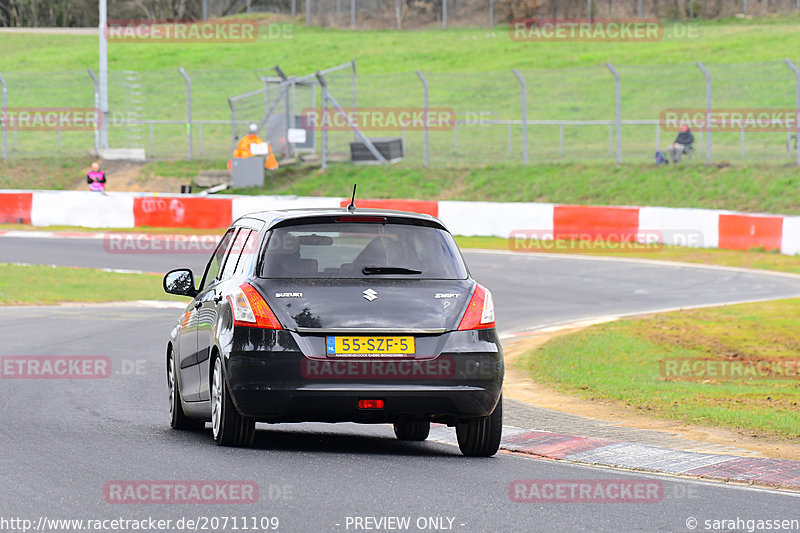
point(330, 315)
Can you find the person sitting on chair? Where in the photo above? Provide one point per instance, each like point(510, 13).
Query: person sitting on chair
point(682, 143)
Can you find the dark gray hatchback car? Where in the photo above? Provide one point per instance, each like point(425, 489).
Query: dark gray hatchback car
point(333, 315)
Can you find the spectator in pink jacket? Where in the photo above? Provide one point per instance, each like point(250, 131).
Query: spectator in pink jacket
point(96, 179)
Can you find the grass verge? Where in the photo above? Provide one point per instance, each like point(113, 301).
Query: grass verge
point(38, 284)
point(627, 362)
point(760, 188)
point(306, 49)
point(749, 188)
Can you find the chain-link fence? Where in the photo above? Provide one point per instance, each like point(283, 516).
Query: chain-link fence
point(569, 113)
point(413, 14)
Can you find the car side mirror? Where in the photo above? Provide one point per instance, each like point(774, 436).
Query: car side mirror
point(181, 282)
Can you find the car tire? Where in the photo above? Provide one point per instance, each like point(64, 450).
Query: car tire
point(178, 419)
point(480, 437)
point(228, 427)
point(412, 430)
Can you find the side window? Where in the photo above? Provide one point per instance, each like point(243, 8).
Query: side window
point(237, 253)
point(212, 269)
point(249, 254)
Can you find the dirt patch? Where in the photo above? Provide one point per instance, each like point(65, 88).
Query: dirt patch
point(519, 386)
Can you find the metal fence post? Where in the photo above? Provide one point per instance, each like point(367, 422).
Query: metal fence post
point(744, 5)
point(103, 70)
point(355, 93)
point(796, 107)
point(741, 141)
point(589, 10)
point(425, 96)
point(708, 109)
point(398, 12)
point(353, 14)
point(308, 12)
point(188, 109)
point(233, 123)
point(4, 116)
point(444, 14)
point(205, 9)
point(324, 113)
point(641, 9)
point(617, 111)
point(287, 91)
point(524, 109)
point(294, 8)
point(491, 13)
point(97, 110)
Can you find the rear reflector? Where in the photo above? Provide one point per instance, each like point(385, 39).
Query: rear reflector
point(250, 309)
point(480, 311)
point(370, 404)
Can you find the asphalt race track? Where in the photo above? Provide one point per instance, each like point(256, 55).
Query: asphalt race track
point(530, 290)
point(64, 440)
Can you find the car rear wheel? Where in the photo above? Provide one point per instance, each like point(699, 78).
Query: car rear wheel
point(480, 437)
point(412, 430)
point(227, 425)
point(178, 419)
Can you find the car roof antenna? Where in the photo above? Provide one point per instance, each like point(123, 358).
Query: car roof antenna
point(352, 207)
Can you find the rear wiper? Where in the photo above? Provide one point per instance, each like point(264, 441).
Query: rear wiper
point(367, 270)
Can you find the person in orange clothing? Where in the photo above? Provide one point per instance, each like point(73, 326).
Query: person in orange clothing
point(242, 149)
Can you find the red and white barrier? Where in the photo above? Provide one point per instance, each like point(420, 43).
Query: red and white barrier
point(78, 208)
point(15, 208)
point(702, 228)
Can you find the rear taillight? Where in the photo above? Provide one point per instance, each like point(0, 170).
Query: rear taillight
point(251, 310)
point(480, 311)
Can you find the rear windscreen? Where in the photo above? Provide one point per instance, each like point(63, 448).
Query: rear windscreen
point(361, 250)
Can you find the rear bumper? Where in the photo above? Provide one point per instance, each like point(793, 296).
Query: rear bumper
point(286, 386)
point(339, 403)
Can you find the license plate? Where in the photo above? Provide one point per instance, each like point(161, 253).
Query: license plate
point(370, 346)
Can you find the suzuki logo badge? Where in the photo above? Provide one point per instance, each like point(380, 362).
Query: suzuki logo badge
point(370, 295)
